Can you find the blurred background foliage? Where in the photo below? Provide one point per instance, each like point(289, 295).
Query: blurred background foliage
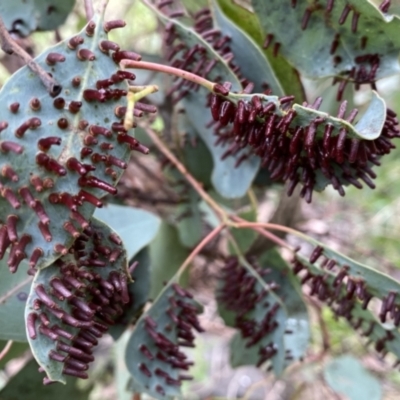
point(364, 225)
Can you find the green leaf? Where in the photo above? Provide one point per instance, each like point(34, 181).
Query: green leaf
point(26, 16)
point(229, 181)
point(393, 12)
point(245, 237)
point(14, 289)
point(58, 188)
point(309, 49)
point(259, 315)
point(348, 377)
point(189, 224)
point(94, 300)
point(194, 153)
point(348, 293)
point(297, 334)
point(368, 127)
point(27, 384)
point(248, 56)
point(166, 254)
point(155, 366)
point(286, 75)
point(377, 283)
point(136, 227)
point(121, 373)
point(139, 292)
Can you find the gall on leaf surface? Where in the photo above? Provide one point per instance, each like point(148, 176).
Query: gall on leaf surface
point(229, 181)
point(253, 63)
point(301, 144)
point(154, 353)
point(256, 311)
point(284, 73)
point(73, 303)
point(306, 35)
point(348, 288)
point(60, 155)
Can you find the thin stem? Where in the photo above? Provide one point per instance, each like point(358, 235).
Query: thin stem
point(182, 169)
point(272, 226)
point(89, 9)
point(8, 294)
point(255, 226)
point(214, 233)
point(166, 69)
point(10, 47)
point(6, 349)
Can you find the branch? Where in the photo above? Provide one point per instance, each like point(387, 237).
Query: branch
point(10, 47)
point(89, 9)
point(6, 349)
point(182, 169)
point(166, 69)
point(215, 232)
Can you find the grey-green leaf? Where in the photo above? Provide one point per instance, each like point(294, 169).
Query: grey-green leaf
point(46, 185)
point(14, 290)
point(153, 355)
point(166, 255)
point(26, 16)
point(27, 384)
point(310, 49)
point(139, 292)
point(248, 56)
point(50, 307)
point(348, 377)
point(136, 227)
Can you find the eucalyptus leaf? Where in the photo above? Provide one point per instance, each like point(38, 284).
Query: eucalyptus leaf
point(297, 334)
point(26, 16)
point(347, 376)
point(249, 56)
point(61, 295)
point(27, 384)
point(14, 290)
point(153, 354)
point(136, 227)
point(189, 225)
point(228, 180)
point(285, 74)
point(139, 292)
point(310, 49)
point(166, 255)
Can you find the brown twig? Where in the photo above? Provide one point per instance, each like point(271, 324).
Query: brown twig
point(89, 9)
point(213, 234)
point(6, 349)
point(182, 169)
point(9, 46)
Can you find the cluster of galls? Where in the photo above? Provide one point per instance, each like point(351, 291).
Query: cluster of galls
point(366, 65)
point(182, 313)
point(99, 149)
point(77, 306)
point(298, 153)
point(344, 292)
point(242, 294)
point(196, 59)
